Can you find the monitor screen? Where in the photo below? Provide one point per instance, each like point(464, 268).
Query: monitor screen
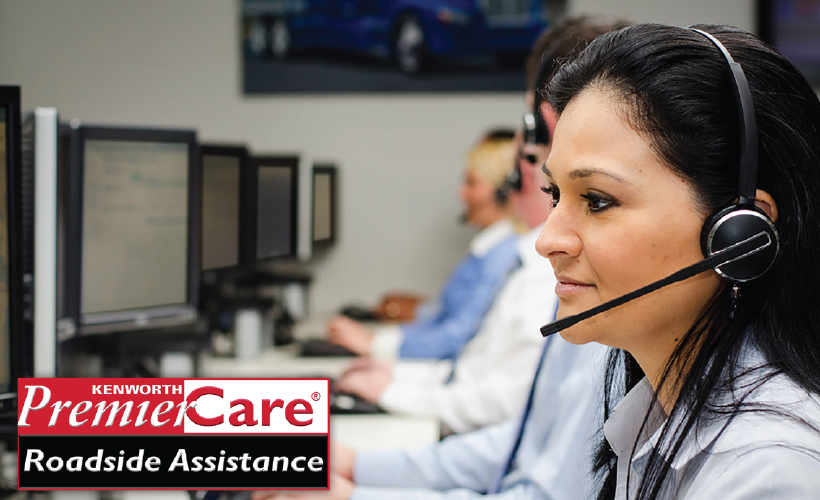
point(220, 210)
point(324, 204)
point(135, 216)
point(276, 206)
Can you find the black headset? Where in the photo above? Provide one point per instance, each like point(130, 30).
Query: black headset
point(512, 182)
point(741, 220)
point(499, 134)
point(534, 128)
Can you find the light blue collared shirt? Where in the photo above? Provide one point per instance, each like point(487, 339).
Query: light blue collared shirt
point(447, 324)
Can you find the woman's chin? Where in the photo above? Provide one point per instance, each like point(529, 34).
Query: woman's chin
point(596, 328)
point(577, 334)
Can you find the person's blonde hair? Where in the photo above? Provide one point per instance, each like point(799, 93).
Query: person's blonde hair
point(493, 157)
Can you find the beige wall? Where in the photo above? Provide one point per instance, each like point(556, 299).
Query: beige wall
point(740, 13)
point(176, 63)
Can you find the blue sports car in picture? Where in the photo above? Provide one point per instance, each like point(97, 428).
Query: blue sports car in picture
point(410, 32)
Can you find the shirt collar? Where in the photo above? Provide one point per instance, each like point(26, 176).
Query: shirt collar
point(622, 427)
point(491, 236)
point(526, 248)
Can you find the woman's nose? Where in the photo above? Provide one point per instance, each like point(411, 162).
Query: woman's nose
point(559, 236)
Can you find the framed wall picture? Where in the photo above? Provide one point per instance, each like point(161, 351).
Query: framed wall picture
point(358, 46)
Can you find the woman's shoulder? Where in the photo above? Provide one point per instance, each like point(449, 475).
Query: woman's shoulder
point(769, 446)
point(776, 413)
point(754, 469)
point(502, 255)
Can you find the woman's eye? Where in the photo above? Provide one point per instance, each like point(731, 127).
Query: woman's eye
point(552, 190)
point(598, 203)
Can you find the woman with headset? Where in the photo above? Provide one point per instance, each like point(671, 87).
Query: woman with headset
point(713, 388)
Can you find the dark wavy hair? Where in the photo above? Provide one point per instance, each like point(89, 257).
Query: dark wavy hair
point(561, 41)
point(678, 93)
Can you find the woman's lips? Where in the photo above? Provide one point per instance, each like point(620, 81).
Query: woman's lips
point(568, 287)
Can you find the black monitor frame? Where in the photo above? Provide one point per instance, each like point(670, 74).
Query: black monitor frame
point(142, 318)
point(767, 30)
point(20, 353)
point(247, 204)
point(325, 169)
point(290, 162)
point(764, 13)
point(66, 154)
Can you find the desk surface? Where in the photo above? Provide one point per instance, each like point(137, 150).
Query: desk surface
point(357, 431)
point(369, 432)
point(273, 362)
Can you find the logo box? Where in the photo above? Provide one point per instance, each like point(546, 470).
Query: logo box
point(173, 434)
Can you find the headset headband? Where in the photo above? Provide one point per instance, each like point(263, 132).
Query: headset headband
point(747, 178)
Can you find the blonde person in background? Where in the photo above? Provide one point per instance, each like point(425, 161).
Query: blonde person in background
point(446, 324)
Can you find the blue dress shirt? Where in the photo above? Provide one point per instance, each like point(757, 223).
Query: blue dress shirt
point(553, 459)
point(456, 315)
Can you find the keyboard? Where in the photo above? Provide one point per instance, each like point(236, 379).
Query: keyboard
point(318, 348)
point(342, 403)
point(350, 404)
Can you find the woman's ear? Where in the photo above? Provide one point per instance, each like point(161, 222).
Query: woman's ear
point(765, 202)
point(549, 115)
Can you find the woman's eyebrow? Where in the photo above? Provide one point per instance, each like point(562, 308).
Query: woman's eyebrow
point(581, 173)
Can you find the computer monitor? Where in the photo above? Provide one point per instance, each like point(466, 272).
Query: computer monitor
point(793, 28)
point(277, 179)
point(324, 217)
point(133, 229)
point(15, 359)
point(228, 208)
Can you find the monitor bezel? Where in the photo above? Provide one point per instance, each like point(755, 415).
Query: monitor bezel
point(765, 11)
point(139, 318)
point(247, 204)
point(325, 168)
point(291, 162)
point(20, 355)
point(764, 20)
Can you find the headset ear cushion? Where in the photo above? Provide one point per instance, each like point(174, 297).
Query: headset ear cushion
point(542, 133)
point(732, 225)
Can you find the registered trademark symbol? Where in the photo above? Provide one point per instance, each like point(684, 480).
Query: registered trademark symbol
point(316, 396)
